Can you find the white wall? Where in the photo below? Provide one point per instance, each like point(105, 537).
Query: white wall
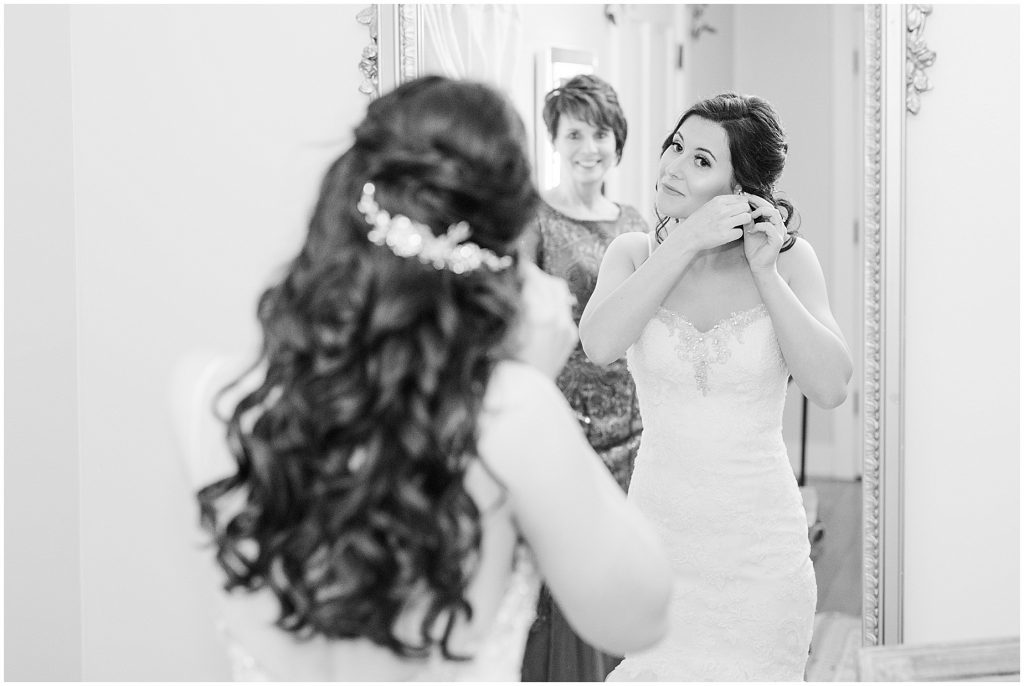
point(42, 594)
point(643, 65)
point(962, 490)
point(199, 136)
point(709, 60)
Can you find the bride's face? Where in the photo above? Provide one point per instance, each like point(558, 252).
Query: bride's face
point(695, 168)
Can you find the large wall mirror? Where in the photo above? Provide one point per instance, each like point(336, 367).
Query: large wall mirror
point(837, 75)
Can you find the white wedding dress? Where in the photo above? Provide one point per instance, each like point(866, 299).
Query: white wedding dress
point(713, 476)
point(495, 651)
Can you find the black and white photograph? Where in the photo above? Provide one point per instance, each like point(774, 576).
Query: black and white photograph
point(512, 342)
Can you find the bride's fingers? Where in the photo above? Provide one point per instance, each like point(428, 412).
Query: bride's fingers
point(740, 218)
point(757, 200)
point(761, 227)
point(768, 212)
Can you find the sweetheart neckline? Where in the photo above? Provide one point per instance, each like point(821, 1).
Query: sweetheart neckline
point(732, 316)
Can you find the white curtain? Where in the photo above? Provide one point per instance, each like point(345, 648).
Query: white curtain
point(480, 42)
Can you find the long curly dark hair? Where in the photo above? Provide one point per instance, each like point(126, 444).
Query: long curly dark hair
point(348, 501)
point(757, 146)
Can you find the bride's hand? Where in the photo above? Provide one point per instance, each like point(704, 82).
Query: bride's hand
point(764, 235)
point(546, 333)
point(715, 223)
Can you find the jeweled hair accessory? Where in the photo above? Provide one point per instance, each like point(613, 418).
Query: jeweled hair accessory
point(407, 238)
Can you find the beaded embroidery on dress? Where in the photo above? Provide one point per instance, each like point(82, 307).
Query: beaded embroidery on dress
point(713, 477)
point(497, 656)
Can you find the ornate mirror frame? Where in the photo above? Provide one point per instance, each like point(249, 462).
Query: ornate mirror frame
point(893, 80)
point(883, 305)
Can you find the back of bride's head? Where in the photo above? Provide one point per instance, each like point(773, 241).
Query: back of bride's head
point(349, 502)
point(440, 151)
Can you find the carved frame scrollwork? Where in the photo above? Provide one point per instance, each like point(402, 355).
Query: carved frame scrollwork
point(393, 58)
point(370, 58)
point(410, 32)
point(919, 57)
point(885, 81)
point(870, 484)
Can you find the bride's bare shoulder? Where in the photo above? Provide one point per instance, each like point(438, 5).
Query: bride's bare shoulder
point(633, 246)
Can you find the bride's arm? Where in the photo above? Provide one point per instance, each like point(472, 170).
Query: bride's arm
point(626, 295)
point(809, 337)
point(602, 561)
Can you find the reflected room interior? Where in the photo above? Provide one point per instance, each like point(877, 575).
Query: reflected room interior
point(661, 59)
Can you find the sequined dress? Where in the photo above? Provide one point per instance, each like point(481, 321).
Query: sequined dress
point(604, 400)
point(714, 479)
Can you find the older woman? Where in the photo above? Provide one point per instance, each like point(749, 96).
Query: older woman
point(574, 226)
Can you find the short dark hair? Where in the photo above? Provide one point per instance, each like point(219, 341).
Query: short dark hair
point(590, 99)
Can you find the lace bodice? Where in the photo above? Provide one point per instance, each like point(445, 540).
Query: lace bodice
point(497, 650)
point(717, 385)
point(714, 478)
point(702, 349)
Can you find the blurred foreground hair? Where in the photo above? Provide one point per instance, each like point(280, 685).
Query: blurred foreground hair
point(349, 501)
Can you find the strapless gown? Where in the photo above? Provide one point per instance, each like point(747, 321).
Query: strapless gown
point(713, 476)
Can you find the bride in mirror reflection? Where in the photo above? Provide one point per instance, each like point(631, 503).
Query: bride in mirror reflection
point(714, 310)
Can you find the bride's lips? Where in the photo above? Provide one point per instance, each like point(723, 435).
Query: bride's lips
point(670, 190)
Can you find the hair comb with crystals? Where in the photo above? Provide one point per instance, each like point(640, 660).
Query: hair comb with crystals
point(408, 238)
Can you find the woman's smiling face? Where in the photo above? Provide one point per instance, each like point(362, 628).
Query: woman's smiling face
point(695, 168)
point(587, 152)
